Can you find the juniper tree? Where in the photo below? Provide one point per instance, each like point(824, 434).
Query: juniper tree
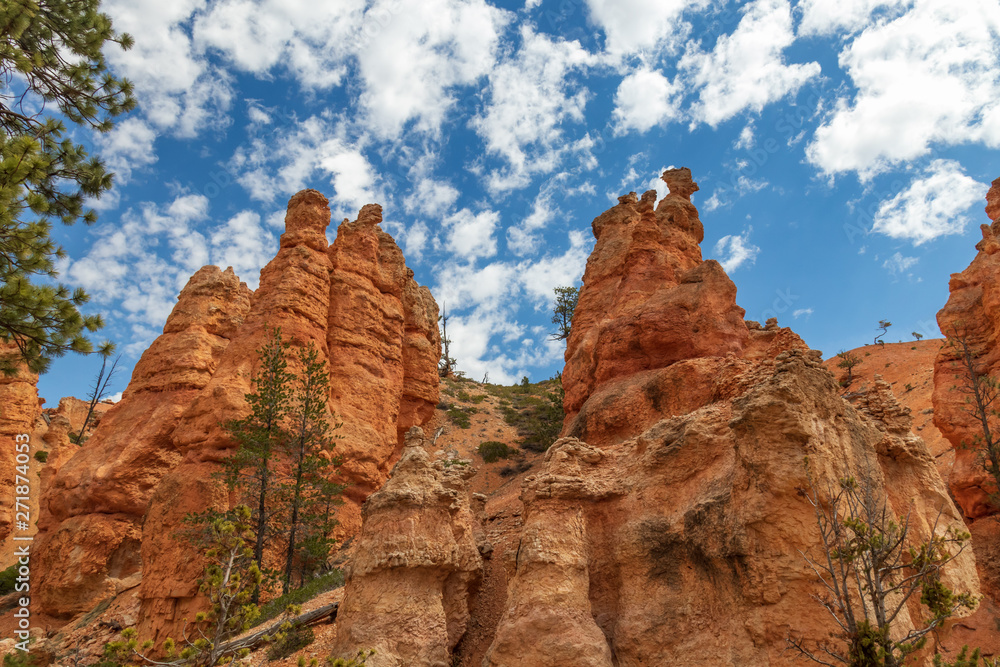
point(51, 60)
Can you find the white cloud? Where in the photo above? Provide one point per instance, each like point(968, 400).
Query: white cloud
point(523, 238)
point(128, 146)
point(633, 26)
point(930, 76)
point(244, 244)
point(746, 138)
point(312, 40)
point(645, 98)
point(823, 17)
point(898, 264)
point(293, 158)
point(746, 70)
point(431, 197)
point(177, 89)
point(424, 49)
point(802, 311)
point(735, 251)
point(415, 238)
point(530, 98)
point(471, 235)
point(933, 205)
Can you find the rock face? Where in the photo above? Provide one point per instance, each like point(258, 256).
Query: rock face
point(112, 510)
point(973, 315)
point(92, 509)
point(665, 527)
point(18, 410)
point(416, 562)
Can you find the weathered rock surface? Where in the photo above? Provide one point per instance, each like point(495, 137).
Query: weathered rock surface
point(92, 509)
point(973, 314)
point(416, 562)
point(18, 410)
point(666, 529)
point(649, 300)
point(113, 509)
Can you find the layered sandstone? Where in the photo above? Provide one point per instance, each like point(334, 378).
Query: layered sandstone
point(669, 527)
point(153, 458)
point(416, 564)
point(18, 410)
point(93, 507)
point(649, 300)
point(971, 316)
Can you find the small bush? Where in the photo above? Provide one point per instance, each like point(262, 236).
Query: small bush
point(493, 450)
point(8, 579)
point(294, 639)
point(41, 456)
point(478, 398)
point(356, 661)
point(459, 417)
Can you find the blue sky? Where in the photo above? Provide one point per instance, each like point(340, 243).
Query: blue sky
point(843, 149)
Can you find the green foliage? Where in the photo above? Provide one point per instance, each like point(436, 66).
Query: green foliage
point(963, 659)
point(20, 659)
point(357, 661)
point(52, 53)
point(41, 456)
point(565, 306)
point(493, 450)
point(917, 336)
point(848, 360)
point(292, 639)
point(535, 411)
point(870, 572)
point(515, 468)
point(459, 417)
point(8, 579)
point(300, 595)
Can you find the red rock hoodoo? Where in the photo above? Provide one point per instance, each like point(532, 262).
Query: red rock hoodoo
point(111, 511)
point(666, 528)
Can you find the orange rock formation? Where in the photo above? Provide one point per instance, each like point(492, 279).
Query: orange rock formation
point(973, 314)
point(18, 410)
point(416, 561)
point(667, 528)
point(111, 511)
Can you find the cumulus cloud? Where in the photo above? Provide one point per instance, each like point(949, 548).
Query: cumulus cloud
point(531, 97)
point(930, 76)
point(645, 98)
point(823, 17)
point(423, 50)
point(933, 205)
point(523, 237)
point(735, 251)
point(633, 26)
point(746, 70)
point(472, 235)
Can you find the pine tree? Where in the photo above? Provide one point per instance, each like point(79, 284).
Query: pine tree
point(566, 298)
point(50, 56)
point(261, 436)
point(307, 492)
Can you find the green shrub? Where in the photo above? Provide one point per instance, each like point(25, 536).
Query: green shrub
point(317, 586)
point(293, 639)
point(459, 417)
point(493, 450)
point(356, 661)
point(41, 456)
point(514, 468)
point(8, 580)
